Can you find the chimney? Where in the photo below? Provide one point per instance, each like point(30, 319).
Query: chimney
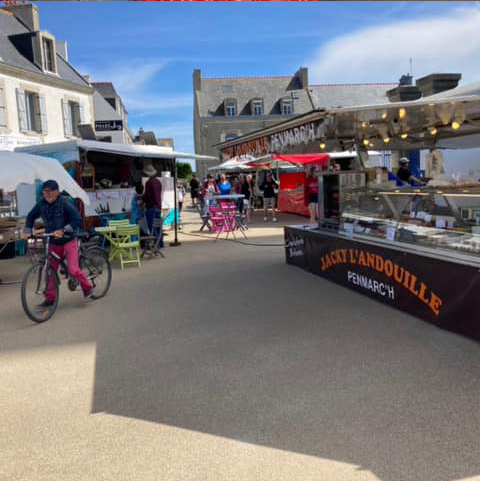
point(197, 80)
point(61, 46)
point(27, 13)
point(438, 82)
point(302, 75)
point(404, 91)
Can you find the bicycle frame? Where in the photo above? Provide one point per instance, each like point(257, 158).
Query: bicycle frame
point(42, 279)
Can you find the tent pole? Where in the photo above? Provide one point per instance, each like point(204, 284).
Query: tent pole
point(175, 242)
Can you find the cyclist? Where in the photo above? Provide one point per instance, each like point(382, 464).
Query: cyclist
point(60, 217)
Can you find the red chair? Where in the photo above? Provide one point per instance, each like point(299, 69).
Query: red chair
point(223, 219)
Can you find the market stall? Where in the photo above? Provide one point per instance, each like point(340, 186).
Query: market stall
point(19, 171)
point(109, 172)
point(414, 248)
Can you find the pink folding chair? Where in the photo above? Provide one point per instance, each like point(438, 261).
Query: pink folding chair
point(223, 219)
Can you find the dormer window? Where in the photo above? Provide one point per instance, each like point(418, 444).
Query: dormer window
point(230, 107)
point(257, 107)
point(286, 106)
point(48, 55)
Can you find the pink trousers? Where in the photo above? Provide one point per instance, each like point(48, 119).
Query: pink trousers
point(70, 252)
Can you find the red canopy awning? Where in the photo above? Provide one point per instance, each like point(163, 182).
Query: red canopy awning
point(316, 159)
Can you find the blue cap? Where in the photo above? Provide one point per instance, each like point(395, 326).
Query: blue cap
point(50, 185)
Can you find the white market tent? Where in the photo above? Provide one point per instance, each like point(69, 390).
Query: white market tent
point(20, 168)
point(150, 151)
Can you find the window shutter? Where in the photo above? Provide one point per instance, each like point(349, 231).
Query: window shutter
point(22, 110)
point(67, 121)
point(43, 114)
point(3, 113)
point(82, 113)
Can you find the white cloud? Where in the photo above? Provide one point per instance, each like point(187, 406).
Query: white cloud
point(133, 82)
point(448, 43)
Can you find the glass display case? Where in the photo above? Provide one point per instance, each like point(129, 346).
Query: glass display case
point(447, 218)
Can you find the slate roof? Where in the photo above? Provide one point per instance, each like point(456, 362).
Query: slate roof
point(9, 55)
point(349, 95)
point(105, 89)
point(271, 89)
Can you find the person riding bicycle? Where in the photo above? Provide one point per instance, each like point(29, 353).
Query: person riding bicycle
point(62, 219)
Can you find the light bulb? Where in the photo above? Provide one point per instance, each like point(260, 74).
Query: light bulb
point(322, 145)
point(402, 112)
point(403, 136)
point(364, 124)
point(455, 125)
point(384, 115)
point(366, 142)
point(433, 130)
point(386, 140)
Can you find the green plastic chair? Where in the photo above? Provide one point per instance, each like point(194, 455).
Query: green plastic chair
point(118, 222)
point(127, 250)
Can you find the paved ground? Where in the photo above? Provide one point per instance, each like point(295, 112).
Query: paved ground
point(221, 362)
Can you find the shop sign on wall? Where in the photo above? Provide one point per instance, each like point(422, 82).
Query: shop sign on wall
point(108, 125)
point(289, 140)
point(9, 142)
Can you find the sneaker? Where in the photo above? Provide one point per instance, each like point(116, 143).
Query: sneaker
point(45, 303)
point(88, 293)
point(265, 219)
point(274, 219)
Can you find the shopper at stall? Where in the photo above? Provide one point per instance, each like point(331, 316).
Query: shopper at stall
point(247, 191)
point(137, 206)
point(180, 196)
point(224, 185)
point(311, 193)
point(62, 219)
point(194, 189)
point(153, 196)
point(210, 188)
point(404, 173)
point(268, 187)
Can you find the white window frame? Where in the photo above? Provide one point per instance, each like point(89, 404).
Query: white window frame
point(230, 108)
point(48, 55)
point(257, 107)
point(287, 106)
point(73, 115)
point(3, 108)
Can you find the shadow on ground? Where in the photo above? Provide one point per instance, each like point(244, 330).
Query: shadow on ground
point(227, 339)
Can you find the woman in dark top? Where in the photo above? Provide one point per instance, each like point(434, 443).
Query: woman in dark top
point(247, 191)
point(311, 193)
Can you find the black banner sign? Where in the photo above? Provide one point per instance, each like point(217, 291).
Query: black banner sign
point(441, 292)
point(108, 125)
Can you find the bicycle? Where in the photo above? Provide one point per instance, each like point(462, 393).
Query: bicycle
point(92, 259)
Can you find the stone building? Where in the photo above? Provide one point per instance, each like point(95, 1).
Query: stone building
point(110, 114)
point(42, 97)
point(228, 107)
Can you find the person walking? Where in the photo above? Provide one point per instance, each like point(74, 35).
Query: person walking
point(194, 189)
point(268, 187)
point(247, 191)
point(152, 197)
point(62, 219)
point(311, 193)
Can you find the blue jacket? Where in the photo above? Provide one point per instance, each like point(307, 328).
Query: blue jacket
point(60, 214)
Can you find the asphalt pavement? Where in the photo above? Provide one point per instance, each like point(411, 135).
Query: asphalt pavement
point(222, 362)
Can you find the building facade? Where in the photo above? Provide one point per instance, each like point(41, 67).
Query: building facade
point(110, 114)
point(42, 97)
point(229, 107)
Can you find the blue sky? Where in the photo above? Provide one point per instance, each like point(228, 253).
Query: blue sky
point(149, 49)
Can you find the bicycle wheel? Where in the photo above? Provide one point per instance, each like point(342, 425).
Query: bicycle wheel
point(34, 285)
point(94, 262)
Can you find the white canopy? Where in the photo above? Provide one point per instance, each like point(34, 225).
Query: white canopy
point(19, 168)
point(153, 151)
